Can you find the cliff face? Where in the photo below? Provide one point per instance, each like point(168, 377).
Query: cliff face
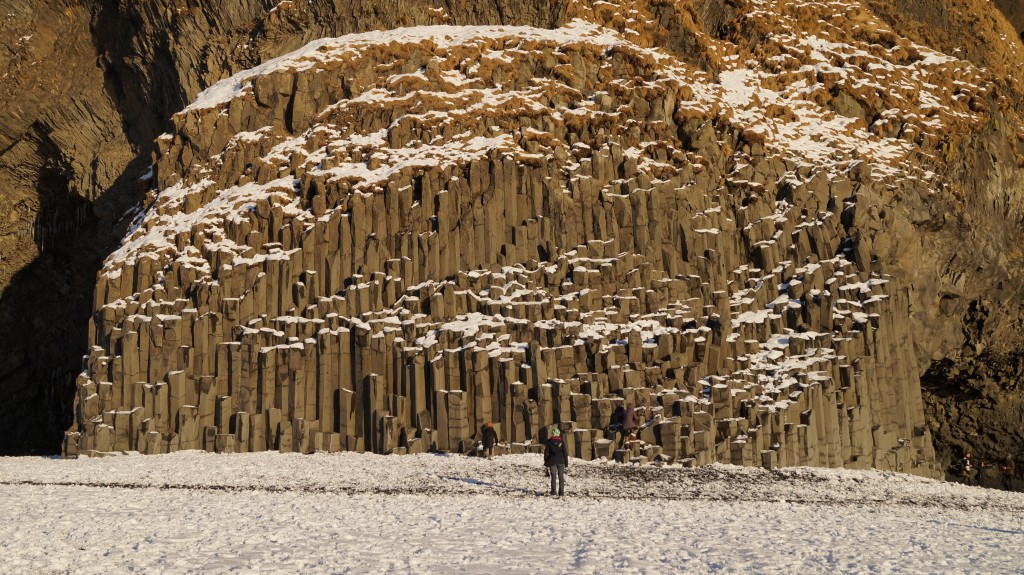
point(61, 147)
point(386, 240)
point(933, 208)
point(88, 87)
point(1014, 12)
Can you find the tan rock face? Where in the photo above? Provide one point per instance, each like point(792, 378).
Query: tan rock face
point(383, 241)
point(86, 88)
point(89, 87)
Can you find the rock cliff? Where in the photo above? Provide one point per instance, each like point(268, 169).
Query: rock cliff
point(758, 223)
point(384, 240)
point(88, 86)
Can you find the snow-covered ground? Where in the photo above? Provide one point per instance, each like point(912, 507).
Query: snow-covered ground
point(192, 512)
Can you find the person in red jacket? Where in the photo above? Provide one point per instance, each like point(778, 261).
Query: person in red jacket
point(556, 459)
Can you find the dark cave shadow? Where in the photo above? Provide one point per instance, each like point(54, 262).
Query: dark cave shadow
point(45, 309)
point(937, 381)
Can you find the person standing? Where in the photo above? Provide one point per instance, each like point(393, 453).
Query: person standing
point(556, 459)
point(490, 438)
point(966, 469)
point(1009, 469)
point(615, 424)
point(629, 420)
point(628, 426)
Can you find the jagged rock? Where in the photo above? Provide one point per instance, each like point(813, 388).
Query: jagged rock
point(62, 153)
point(387, 269)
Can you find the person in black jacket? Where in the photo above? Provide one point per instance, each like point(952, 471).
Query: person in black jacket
point(1009, 469)
point(490, 437)
point(556, 459)
point(966, 469)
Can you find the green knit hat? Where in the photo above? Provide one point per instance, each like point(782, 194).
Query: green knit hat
point(554, 430)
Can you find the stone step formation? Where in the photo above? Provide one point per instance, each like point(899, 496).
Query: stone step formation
point(384, 241)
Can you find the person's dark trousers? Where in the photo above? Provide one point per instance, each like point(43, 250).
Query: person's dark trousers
point(1008, 482)
point(558, 470)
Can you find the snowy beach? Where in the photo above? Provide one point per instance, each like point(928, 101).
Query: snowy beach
point(192, 512)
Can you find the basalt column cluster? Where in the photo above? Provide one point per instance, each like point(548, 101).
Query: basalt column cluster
point(382, 244)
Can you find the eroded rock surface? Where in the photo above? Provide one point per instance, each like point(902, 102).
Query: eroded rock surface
point(926, 143)
point(87, 87)
point(385, 240)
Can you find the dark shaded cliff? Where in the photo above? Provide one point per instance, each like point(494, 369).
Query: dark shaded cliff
point(1014, 12)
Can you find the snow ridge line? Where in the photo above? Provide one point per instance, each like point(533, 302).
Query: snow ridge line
point(506, 490)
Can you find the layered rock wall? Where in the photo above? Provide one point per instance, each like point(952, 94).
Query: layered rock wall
point(89, 85)
point(382, 242)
